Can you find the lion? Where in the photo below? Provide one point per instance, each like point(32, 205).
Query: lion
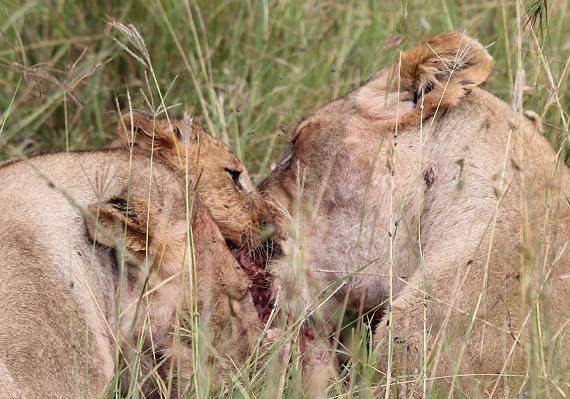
point(237, 206)
point(424, 198)
point(103, 256)
point(222, 181)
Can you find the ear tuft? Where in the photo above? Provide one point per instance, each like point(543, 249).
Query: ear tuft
point(145, 131)
point(535, 120)
point(110, 225)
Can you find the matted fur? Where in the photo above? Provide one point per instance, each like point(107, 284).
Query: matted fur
point(58, 290)
point(461, 201)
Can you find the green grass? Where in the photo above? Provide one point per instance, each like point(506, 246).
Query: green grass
point(249, 71)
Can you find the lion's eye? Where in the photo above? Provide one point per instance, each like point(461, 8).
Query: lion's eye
point(234, 174)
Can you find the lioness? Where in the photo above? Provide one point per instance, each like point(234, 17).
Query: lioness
point(430, 198)
point(69, 304)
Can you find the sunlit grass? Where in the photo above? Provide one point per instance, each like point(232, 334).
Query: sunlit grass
point(249, 71)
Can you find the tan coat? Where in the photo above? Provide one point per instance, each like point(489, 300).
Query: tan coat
point(435, 182)
point(59, 277)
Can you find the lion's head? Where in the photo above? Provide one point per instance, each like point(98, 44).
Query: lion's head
point(423, 83)
point(342, 164)
point(221, 179)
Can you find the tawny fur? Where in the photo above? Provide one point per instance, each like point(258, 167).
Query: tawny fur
point(239, 211)
point(435, 74)
point(58, 291)
point(376, 168)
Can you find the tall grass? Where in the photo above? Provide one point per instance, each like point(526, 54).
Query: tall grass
point(249, 71)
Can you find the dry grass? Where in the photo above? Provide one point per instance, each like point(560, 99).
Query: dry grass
point(251, 70)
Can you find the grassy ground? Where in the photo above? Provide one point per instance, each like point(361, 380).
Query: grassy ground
point(249, 71)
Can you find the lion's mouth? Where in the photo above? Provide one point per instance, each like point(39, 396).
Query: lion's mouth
point(254, 263)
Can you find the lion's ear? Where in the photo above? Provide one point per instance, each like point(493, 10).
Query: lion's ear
point(116, 223)
point(434, 75)
point(445, 67)
point(146, 132)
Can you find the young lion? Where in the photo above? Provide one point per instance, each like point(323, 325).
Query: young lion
point(68, 306)
point(222, 181)
point(423, 176)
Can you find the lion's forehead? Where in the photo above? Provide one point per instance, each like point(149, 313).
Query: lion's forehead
point(215, 149)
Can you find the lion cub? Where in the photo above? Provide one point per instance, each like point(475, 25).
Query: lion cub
point(221, 179)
